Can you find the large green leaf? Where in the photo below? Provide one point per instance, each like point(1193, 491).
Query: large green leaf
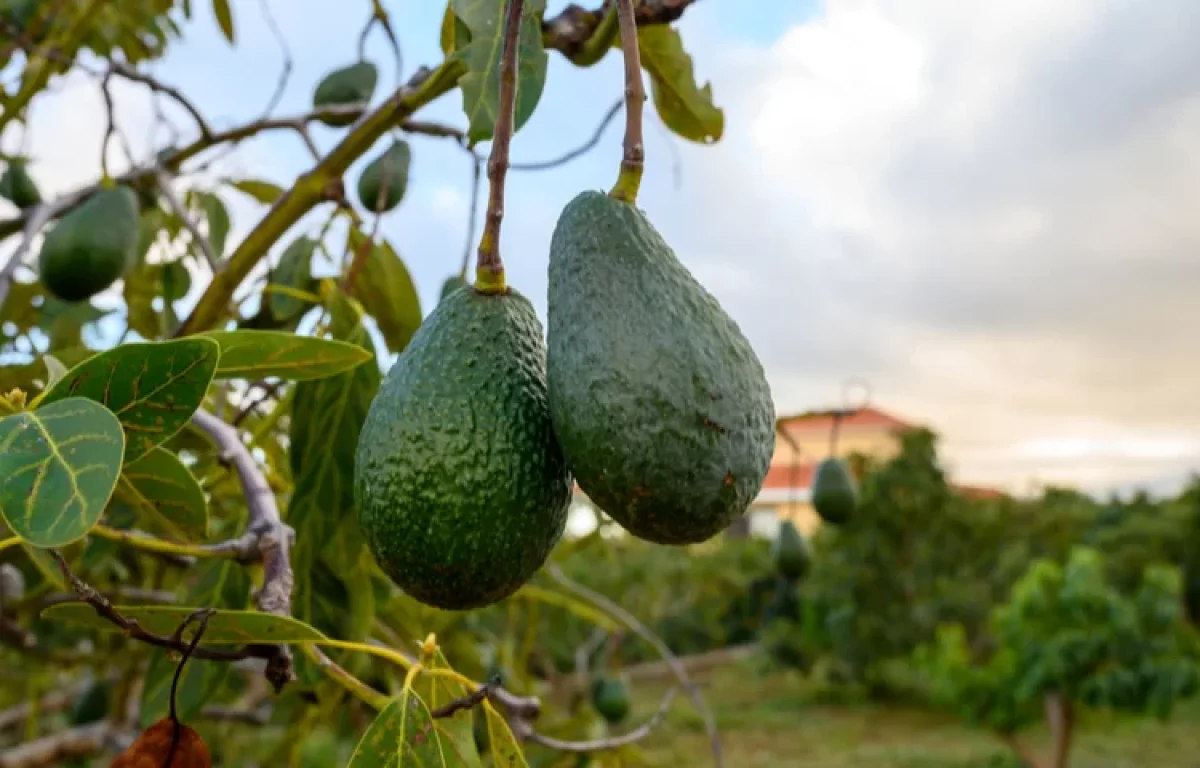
point(160, 488)
point(327, 416)
point(217, 217)
point(224, 627)
point(153, 388)
point(387, 292)
point(685, 107)
point(265, 354)
point(294, 271)
point(220, 583)
point(263, 191)
point(404, 734)
point(484, 19)
point(58, 466)
point(198, 682)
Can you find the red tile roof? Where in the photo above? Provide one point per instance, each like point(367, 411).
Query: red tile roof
point(822, 421)
point(790, 476)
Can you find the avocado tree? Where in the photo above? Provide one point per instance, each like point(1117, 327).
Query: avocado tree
point(233, 482)
point(1067, 638)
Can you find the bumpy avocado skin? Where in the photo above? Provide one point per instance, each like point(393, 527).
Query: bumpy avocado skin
point(345, 87)
point(461, 487)
point(18, 187)
point(790, 552)
point(91, 246)
point(452, 284)
point(834, 491)
point(392, 165)
point(661, 405)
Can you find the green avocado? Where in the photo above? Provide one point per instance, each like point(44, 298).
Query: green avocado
point(790, 552)
point(834, 491)
point(17, 187)
point(452, 284)
point(92, 706)
point(92, 246)
point(460, 484)
point(660, 403)
point(343, 87)
point(610, 697)
point(390, 169)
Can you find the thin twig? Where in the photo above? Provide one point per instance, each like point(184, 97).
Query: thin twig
point(53, 749)
point(129, 73)
point(634, 151)
point(642, 631)
point(487, 258)
point(286, 73)
point(597, 745)
point(472, 213)
point(110, 126)
point(164, 185)
point(467, 702)
point(579, 151)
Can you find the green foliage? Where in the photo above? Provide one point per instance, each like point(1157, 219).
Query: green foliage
point(346, 87)
point(684, 107)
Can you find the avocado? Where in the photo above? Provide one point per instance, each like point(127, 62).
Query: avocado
point(660, 403)
point(790, 552)
point(294, 271)
point(452, 284)
point(460, 485)
point(610, 697)
point(17, 187)
point(92, 706)
point(92, 246)
point(390, 168)
point(352, 85)
point(834, 491)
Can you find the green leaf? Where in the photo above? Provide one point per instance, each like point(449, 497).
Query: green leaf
point(163, 490)
point(217, 217)
point(199, 682)
point(55, 370)
point(404, 734)
point(263, 191)
point(58, 467)
point(480, 86)
point(294, 271)
point(263, 354)
point(46, 565)
point(387, 292)
point(327, 416)
point(221, 583)
point(455, 34)
point(224, 627)
point(153, 388)
point(684, 107)
point(224, 18)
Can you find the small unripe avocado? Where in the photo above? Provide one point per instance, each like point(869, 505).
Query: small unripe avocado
point(660, 403)
point(386, 175)
point(460, 485)
point(17, 186)
point(834, 491)
point(348, 86)
point(610, 697)
point(92, 246)
point(790, 552)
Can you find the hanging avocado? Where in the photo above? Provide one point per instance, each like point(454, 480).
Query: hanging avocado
point(661, 405)
point(834, 491)
point(350, 86)
point(790, 552)
point(17, 186)
point(92, 246)
point(386, 177)
point(610, 697)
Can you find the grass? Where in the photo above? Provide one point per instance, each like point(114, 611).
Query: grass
point(779, 719)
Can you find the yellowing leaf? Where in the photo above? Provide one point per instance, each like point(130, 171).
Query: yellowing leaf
point(153, 388)
point(684, 107)
point(263, 191)
point(224, 18)
point(58, 466)
point(264, 354)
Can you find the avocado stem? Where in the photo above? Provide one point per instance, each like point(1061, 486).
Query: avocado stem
point(634, 156)
point(489, 268)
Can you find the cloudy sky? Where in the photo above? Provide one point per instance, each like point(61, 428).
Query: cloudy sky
point(984, 209)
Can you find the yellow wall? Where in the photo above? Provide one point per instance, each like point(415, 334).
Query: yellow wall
point(878, 442)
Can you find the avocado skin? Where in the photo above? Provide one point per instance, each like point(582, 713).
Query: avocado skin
point(661, 405)
point(345, 87)
point(452, 284)
point(610, 697)
point(17, 186)
point(834, 491)
point(395, 163)
point(91, 246)
point(790, 552)
point(460, 485)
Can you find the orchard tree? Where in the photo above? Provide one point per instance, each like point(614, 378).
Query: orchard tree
point(189, 493)
point(1067, 637)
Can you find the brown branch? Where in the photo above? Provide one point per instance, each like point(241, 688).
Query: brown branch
point(472, 699)
point(129, 73)
point(50, 750)
point(642, 631)
point(579, 151)
point(274, 539)
point(634, 155)
point(488, 264)
point(569, 32)
point(164, 185)
point(597, 745)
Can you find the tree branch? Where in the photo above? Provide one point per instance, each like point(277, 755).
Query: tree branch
point(129, 73)
point(82, 741)
point(634, 155)
point(612, 742)
point(164, 184)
